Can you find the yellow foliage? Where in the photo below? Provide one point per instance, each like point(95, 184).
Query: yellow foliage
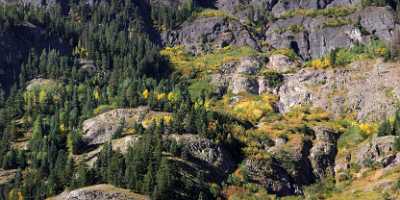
point(368, 129)
point(381, 51)
point(62, 128)
point(42, 96)
point(15, 195)
point(167, 119)
point(172, 96)
point(96, 94)
point(160, 96)
point(145, 94)
point(253, 108)
point(321, 63)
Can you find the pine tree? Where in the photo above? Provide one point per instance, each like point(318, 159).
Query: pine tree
point(148, 181)
point(385, 128)
point(163, 180)
point(396, 124)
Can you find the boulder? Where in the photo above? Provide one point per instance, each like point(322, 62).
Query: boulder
point(100, 192)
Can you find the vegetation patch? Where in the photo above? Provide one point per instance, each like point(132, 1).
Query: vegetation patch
point(344, 56)
point(336, 22)
point(208, 62)
point(339, 11)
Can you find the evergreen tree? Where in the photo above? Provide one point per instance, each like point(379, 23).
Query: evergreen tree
point(148, 181)
point(385, 128)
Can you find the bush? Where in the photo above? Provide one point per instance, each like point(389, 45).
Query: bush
point(385, 128)
point(351, 137)
point(274, 79)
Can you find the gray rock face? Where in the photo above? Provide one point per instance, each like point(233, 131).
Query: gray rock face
point(323, 152)
point(368, 88)
point(206, 151)
point(101, 128)
point(100, 192)
point(291, 167)
point(281, 63)
point(242, 76)
point(378, 151)
point(270, 174)
point(120, 144)
point(313, 39)
point(208, 33)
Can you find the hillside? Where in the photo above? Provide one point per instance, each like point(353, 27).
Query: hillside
point(200, 99)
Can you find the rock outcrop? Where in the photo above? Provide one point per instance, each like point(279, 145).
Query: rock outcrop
point(379, 150)
point(205, 151)
point(120, 144)
point(204, 34)
point(100, 192)
point(6, 180)
point(291, 166)
point(270, 173)
point(323, 153)
point(101, 128)
point(244, 75)
point(368, 89)
point(281, 63)
point(311, 37)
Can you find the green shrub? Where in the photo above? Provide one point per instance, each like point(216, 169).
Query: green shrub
point(385, 128)
point(274, 79)
point(351, 137)
point(396, 144)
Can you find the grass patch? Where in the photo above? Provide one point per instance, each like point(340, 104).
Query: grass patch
point(210, 13)
point(339, 11)
point(336, 22)
point(201, 87)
